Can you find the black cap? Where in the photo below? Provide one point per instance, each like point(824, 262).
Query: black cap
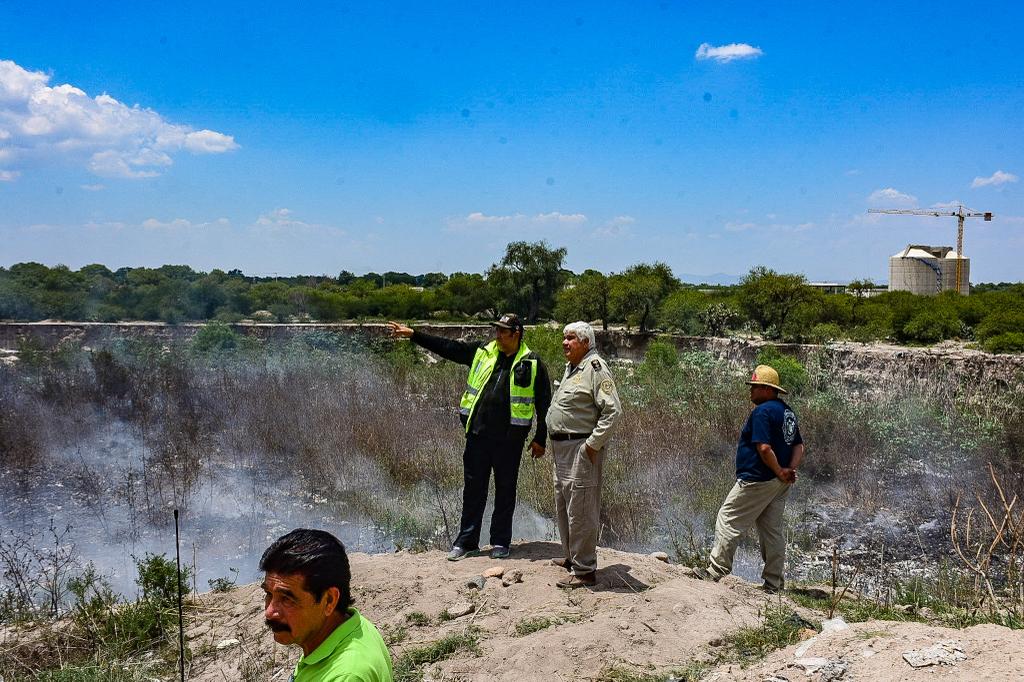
point(509, 321)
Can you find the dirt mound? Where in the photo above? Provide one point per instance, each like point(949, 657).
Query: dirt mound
point(644, 615)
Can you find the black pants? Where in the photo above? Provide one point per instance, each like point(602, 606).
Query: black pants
point(483, 454)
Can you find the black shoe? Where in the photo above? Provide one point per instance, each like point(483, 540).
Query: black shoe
point(457, 553)
point(499, 552)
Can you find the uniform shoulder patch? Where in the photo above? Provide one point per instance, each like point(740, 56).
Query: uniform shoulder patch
point(596, 364)
point(607, 386)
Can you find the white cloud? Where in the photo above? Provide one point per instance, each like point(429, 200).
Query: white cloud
point(109, 225)
point(739, 227)
point(619, 226)
point(282, 221)
point(478, 219)
point(8, 175)
point(852, 172)
point(176, 224)
point(209, 142)
point(891, 196)
point(182, 224)
point(280, 218)
point(39, 122)
point(93, 188)
point(996, 179)
point(727, 53)
point(556, 217)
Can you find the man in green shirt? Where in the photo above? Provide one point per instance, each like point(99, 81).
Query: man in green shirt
point(309, 603)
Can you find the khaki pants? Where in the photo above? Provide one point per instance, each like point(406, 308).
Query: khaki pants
point(578, 503)
point(747, 504)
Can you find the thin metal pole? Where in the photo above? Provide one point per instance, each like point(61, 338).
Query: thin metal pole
point(181, 620)
point(959, 248)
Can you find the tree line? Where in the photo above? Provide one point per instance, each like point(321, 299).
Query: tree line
point(531, 280)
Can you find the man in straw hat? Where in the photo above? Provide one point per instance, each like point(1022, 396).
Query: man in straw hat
point(767, 457)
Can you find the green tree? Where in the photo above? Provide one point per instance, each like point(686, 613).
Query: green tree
point(587, 297)
point(527, 278)
point(932, 324)
point(1001, 321)
point(718, 318)
point(637, 294)
point(681, 310)
point(860, 289)
point(432, 280)
point(465, 294)
point(768, 298)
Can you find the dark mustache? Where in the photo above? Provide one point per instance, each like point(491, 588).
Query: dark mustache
point(276, 626)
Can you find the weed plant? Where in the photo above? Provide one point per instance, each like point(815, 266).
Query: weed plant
point(411, 664)
point(779, 627)
point(417, 618)
point(528, 626)
point(618, 673)
point(102, 631)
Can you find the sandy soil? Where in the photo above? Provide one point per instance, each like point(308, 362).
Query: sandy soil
point(644, 615)
point(874, 651)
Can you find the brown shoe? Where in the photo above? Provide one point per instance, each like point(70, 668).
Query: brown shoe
point(573, 581)
point(562, 563)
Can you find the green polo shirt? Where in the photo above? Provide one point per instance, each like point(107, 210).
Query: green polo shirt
point(354, 652)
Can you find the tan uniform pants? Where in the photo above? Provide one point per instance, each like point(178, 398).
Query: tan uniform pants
point(747, 504)
point(578, 503)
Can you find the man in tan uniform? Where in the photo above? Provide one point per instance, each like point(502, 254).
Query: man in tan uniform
point(583, 411)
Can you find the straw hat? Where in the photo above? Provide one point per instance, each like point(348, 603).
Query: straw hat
point(766, 376)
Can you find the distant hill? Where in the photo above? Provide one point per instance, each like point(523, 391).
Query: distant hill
point(718, 278)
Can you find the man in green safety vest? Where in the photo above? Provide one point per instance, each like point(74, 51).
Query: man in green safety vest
point(507, 388)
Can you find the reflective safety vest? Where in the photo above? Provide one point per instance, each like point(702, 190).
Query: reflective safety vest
point(520, 397)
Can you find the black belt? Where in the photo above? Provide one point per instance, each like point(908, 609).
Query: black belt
point(568, 436)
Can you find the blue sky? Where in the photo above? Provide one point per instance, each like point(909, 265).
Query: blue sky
point(424, 138)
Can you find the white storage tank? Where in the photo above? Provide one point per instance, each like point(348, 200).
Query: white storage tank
point(928, 270)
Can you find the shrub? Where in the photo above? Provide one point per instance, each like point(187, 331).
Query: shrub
point(1007, 342)
point(929, 326)
point(875, 330)
point(546, 342)
point(792, 373)
point(681, 311)
point(214, 337)
point(718, 318)
point(825, 333)
point(1000, 322)
point(224, 583)
point(661, 356)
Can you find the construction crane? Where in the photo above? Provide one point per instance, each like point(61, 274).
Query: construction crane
point(960, 214)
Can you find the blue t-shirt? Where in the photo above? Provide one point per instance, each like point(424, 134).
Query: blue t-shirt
point(771, 422)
